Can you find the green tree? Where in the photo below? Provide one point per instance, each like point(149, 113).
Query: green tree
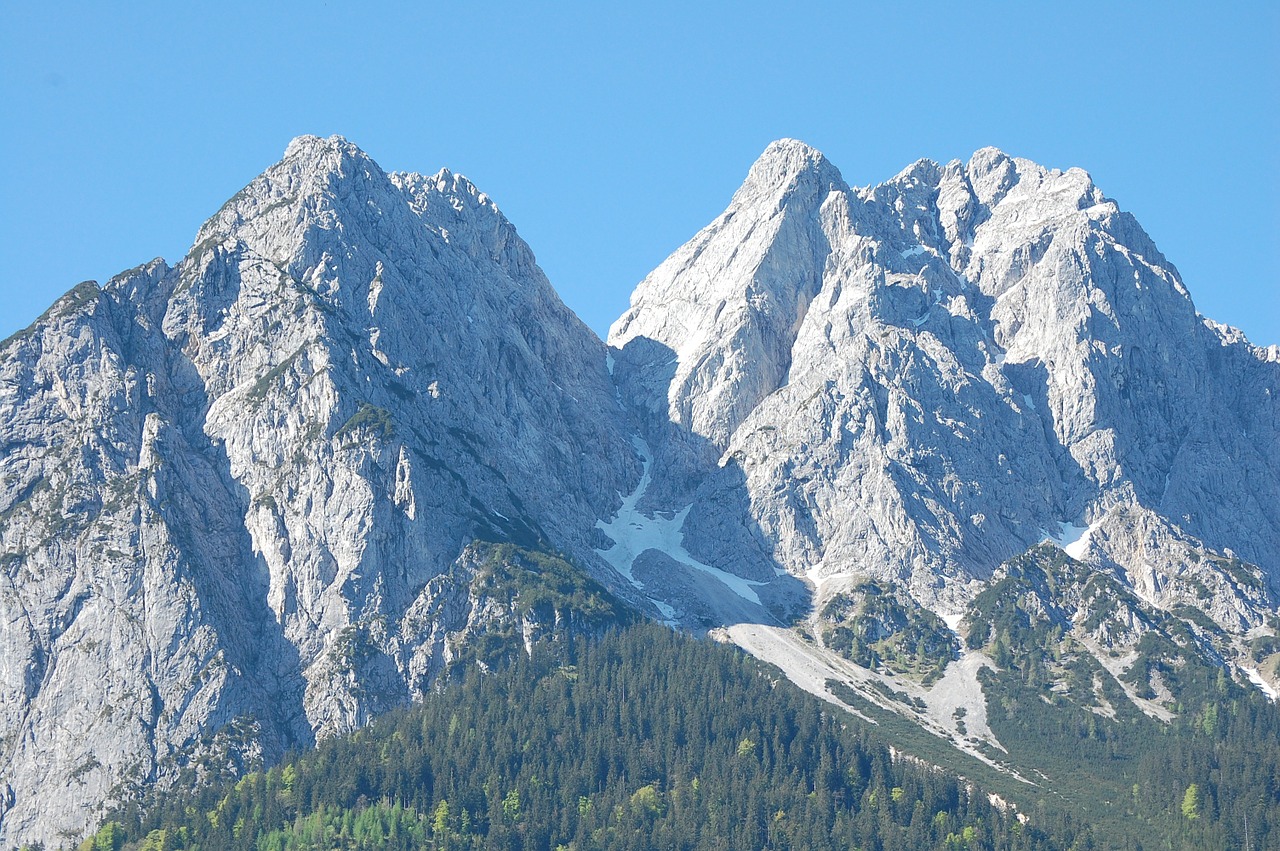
point(511, 805)
point(110, 837)
point(1191, 802)
point(440, 819)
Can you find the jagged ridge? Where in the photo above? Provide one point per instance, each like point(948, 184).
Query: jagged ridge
point(252, 493)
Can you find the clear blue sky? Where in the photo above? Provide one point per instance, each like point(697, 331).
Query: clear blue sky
point(610, 135)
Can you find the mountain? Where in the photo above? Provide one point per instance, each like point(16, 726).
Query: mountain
point(246, 499)
point(938, 447)
point(893, 392)
point(924, 378)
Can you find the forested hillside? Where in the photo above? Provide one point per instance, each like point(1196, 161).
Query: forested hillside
point(642, 739)
point(647, 738)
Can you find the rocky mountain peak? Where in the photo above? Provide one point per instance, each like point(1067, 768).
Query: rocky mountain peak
point(994, 175)
point(785, 166)
point(997, 303)
point(272, 459)
point(310, 146)
point(460, 214)
point(725, 307)
point(319, 185)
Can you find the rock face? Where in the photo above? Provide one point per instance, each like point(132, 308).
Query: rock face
point(262, 495)
point(214, 478)
point(916, 381)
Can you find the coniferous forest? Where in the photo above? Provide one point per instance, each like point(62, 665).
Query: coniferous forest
point(645, 738)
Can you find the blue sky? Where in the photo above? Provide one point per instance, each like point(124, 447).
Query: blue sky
point(610, 135)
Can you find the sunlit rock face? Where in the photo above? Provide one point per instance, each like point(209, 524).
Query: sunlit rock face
point(918, 380)
point(260, 496)
point(230, 488)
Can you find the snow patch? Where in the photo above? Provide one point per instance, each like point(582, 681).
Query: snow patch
point(667, 611)
point(1256, 678)
point(914, 251)
point(1072, 539)
point(633, 532)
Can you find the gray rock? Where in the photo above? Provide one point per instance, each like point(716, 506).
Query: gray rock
point(917, 381)
point(245, 500)
point(231, 491)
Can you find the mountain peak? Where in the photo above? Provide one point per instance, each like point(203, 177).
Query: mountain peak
point(787, 147)
point(787, 163)
point(989, 154)
point(319, 161)
point(318, 180)
point(308, 146)
point(994, 174)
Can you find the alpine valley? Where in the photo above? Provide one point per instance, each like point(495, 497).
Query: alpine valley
point(955, 453)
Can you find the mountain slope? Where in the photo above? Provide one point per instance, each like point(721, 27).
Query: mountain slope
point(948, 370)
point(238, 493)
point(919, 380)
point(642, 739)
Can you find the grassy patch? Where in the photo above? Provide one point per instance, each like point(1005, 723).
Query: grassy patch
point(368, 418)
point(258, 391)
